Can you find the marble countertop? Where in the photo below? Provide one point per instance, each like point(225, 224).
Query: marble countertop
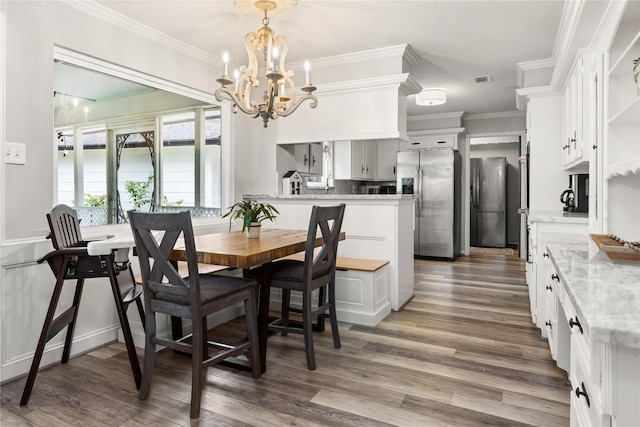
point(558, 216)
point(331, 196)
point(605, 294)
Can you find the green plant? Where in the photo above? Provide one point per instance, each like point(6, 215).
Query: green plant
point(166, 202)
point(139, 191)
point(250, 211)
point(94, 200)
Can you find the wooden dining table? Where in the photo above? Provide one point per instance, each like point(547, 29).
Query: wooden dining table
point(235, 250)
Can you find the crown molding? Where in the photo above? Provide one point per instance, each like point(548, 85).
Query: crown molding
point(566, 33)
point(397, 51)
point(103, 13)
point(499, 115)
point(438, 116)
point(524, 67)
point(523, 94)
point(411, 56)
point(395, 80)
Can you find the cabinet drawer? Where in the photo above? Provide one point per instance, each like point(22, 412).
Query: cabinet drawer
point(442, 141)
point(586, 407)
point(416, 144)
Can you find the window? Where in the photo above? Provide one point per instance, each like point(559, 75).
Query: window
point(180, 169)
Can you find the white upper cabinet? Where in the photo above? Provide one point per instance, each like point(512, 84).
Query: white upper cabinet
point(575, 103)
point(433, 139)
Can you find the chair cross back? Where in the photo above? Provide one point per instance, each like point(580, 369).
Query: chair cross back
point(325, 260)
point(159, 252)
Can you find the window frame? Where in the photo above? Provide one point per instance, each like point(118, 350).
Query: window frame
point(96, 64)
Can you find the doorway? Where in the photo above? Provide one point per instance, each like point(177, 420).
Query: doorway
point(496, 227)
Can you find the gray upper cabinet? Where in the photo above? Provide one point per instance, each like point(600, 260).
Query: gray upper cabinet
point(308, 158)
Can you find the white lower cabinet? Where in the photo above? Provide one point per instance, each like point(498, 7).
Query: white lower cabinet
point(605, 378)
point(538, 224)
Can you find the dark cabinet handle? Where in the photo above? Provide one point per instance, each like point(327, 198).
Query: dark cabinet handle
point(549, 288)
point(415, 143)
point(555, 277)
point(548, 323)
point(576, 322)
point(594, 146)
point(441, 142)
point(394, 170)
point(306, 160)
point(583, 392)
point(545, 255)
point(313, 160)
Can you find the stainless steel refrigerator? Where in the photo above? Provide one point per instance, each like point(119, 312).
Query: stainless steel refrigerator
point(434, 177)
point(488, 202)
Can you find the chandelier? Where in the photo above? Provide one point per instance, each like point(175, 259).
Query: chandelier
point(280, 98)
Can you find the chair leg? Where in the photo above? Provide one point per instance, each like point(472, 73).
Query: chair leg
point(197, 370)
point(332, 314)
point(284, 310)
point(149, 354)
point(44, 336)
point(121, 308)
point(252, 332)
point(307, 326)
point(76, 303)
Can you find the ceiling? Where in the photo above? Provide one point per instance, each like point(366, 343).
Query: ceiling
point(456, 41)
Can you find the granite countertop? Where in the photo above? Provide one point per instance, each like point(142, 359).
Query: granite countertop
point(557, 216)
point(331, 196)
point(604, 293)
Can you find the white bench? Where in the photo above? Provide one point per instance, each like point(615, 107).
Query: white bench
point(362, 290)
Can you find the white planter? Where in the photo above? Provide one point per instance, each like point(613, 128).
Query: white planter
point(254, 230)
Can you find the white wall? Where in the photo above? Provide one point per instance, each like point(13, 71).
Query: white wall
point(32, 31)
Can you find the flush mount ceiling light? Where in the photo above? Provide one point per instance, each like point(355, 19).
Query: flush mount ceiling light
point(432, 96)
point(280, 98)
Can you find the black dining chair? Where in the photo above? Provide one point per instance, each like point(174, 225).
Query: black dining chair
point(70, 260)
point(194, 297)
point(315, 272)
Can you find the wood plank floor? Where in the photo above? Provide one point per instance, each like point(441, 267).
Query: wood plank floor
point(463, 352)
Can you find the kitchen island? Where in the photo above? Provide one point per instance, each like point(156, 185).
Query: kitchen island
point(378, 227)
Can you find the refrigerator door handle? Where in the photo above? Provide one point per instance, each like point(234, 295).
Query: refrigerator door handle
point(477, 187)
point(419, 204)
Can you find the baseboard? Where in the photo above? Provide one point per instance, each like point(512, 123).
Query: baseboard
point(53, 353)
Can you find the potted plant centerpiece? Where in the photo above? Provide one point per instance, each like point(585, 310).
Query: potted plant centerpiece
point(252, 214)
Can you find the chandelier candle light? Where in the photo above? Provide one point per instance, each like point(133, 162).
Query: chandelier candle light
point(280, 98)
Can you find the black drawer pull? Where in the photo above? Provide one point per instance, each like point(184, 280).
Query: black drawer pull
point(549, 288)
point(555, 277)
point(545, 255)
point(548, 323)
point(583, 393)
point(576, 322)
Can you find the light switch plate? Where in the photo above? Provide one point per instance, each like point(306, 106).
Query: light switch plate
point(15, 153)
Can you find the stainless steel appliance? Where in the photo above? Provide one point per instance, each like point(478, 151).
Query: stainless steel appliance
point(488, 202)
point(576, 198)
point(434, 176)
